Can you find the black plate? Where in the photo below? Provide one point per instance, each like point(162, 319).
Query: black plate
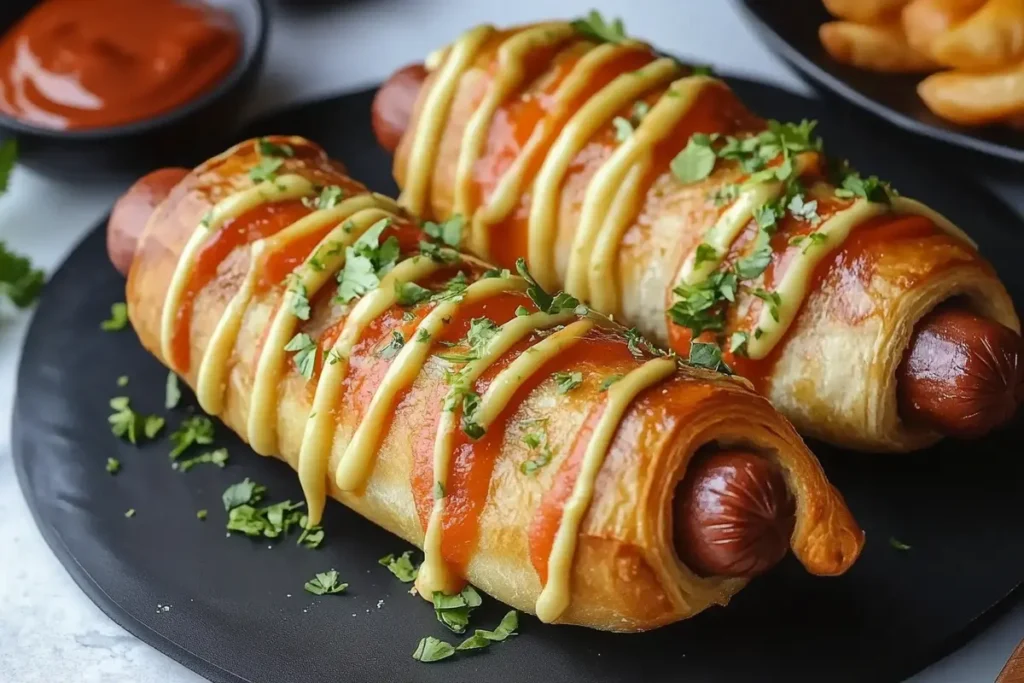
point(791, 29)
point(238, 610)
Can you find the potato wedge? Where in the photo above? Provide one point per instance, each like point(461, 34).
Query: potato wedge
point(877, 48)
point(925, 20)
point(973, 99)
point(865, 11)
point(991, 38)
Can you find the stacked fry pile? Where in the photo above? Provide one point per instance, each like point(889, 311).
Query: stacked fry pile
point(973, 49)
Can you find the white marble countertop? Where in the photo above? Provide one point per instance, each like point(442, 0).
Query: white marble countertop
point(49, 630)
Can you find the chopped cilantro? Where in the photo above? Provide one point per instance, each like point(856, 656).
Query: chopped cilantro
point(218, 457)
point(265, 170)
point(172, 393)
point(705, 355)
point(454, 610)
point(401, 566)
point(197, 429)
point(608, 381)
point(118, 318)
point(272, 149)
point(305, 356)
point(430, 649)
point(448, 233)
point(392, 348)
point(696, 161)
point(594, 27)
point(410, 293)
point(113, 465)
point(567, 381)
point(325, 583)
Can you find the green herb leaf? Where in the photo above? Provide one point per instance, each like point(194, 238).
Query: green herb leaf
point(201, 515)
point(508, 627)
point(325, 583)
point(272, 149)
point(851, 185)
point(454, 610)
point(265, 170)
point(547, 303)
point(897, 544)
point(567, 381)
point(448, 233)
point(311, 536)
point(243, 493)
point(328, 198)
point(738, 343)
point(696, 161)
point(151, 425)
point(129, 513)
point(805, 210)
point(594, 27)
point(410, 293)
point(122, 381)
point(623, 128)
point(401, 566)
point(218, 457)
point(172, 393)
point(392, 348)
point(430, 649)
point(503, 273)
point(8, 155)
point(705, 355)
point(128, 424)
point(197, 429)
point(19, 281)
point(608, 381)
point(757, 261)
point(299, 301)
point(118, 317)
point(725, 194)
point(705, 253)
point(113, 465)
point(771, 299)
point(305, 356)
point(474, 642)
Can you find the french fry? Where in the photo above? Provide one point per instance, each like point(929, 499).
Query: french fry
point(973, 99)
point(876, 48)
point(865, 11)
point(925, 20)
point(991, 38)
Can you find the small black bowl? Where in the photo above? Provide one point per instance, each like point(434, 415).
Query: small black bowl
point(189, 132)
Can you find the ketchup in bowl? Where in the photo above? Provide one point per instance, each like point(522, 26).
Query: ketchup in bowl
point(80, 64)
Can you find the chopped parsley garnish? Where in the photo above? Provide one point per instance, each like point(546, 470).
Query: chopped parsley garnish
point(19, 281)
point(448, 233)
point(265, 170)
point(608, 381)
point(401, 566)
point(118, 318)
point(850, 184)
point(738, 343)
point(410, 293)
point(328, 198)
point(423, 336)
point(705, 253)
point(113, 465)
point(201, 515)
point(437, 253)
point(305, 353)
point(325, 583)
point(594, 27)
point(808, 240)
point(897, 544)
point(757, 261)
point(496, 272)
point(197, 429)
point(483, 638)
point(696, 161)
point(567, 381)
point(129, 513)
point(430, 649)
point(453, 610)
point(559, 303)
point(299, 301)
point(623, 128)
point(366, 262)
point(392, 348)
point(724, 194)
point(245, 492)
point(481, 332)
point(172, 393)
point(122, 381)
point(706, 355)
point(270, 521)
point(272, 149)
point(637, 343)
point(128, 424)
point(311, 536)
point(540, 452)
point(452, 289)
point(700, 306)
point(218, 457)
point(771, 299)
point(701, 70)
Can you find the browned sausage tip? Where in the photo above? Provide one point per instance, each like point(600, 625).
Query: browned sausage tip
point(394, 102)
point(962, 375)
point(734, 515)
point(133, 209)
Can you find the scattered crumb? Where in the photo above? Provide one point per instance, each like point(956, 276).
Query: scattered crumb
point(270, 547)
point(380, 603)
point(162, 608)
point(353, 614)
point(367, 611)
point(412, 591)
point(287, 595)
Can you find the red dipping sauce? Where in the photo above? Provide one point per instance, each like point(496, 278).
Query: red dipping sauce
point(76, 64)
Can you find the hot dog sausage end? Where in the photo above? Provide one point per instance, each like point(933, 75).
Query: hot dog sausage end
point(393, 105)
point(734, 515)
point(962, 375)
point(131, 212)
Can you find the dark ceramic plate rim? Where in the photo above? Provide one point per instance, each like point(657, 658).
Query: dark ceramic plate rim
point(197, 663)
point(813, 71)
point(247, 61)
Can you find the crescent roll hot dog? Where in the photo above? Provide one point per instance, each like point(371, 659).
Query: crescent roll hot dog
point(646, 189)
point(525, 443)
